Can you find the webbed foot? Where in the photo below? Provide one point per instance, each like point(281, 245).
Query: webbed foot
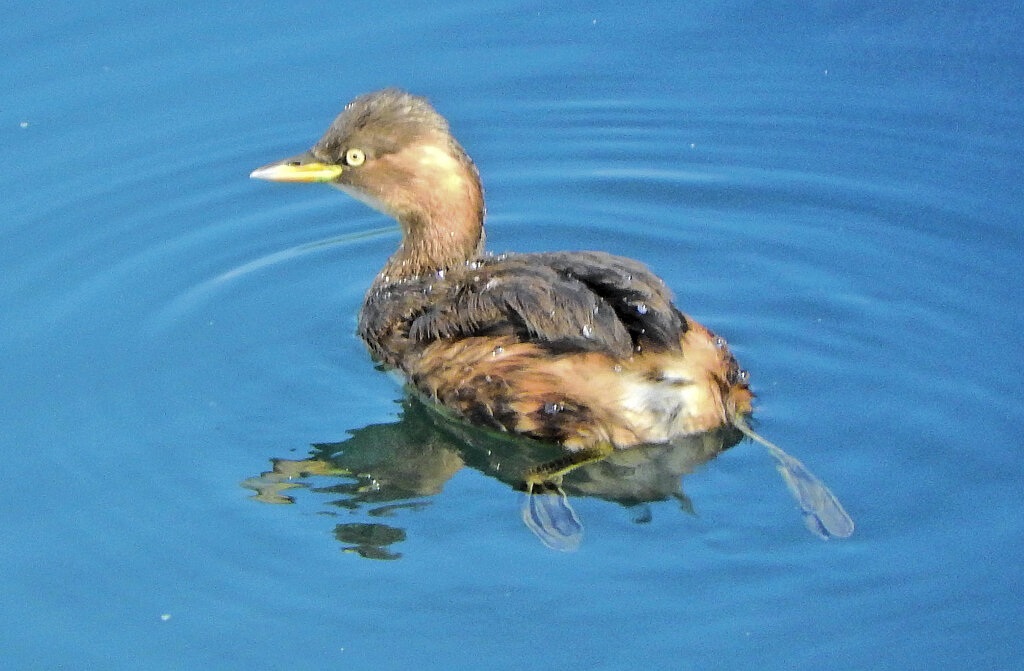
point(545, 509)
point(823, 514)
point(547, 513)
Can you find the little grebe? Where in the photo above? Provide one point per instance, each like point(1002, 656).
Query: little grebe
point(584, 349)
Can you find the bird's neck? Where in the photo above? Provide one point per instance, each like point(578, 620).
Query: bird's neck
point(425, 254)
point(441, 219)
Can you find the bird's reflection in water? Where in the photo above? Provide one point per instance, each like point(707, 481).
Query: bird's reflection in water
point(384, 468)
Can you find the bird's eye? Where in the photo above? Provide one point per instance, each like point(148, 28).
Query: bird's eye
point(354, 157)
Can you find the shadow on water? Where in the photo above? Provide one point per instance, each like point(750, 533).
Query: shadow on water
point(385, 468)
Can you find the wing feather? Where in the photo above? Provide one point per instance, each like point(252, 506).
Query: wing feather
point(571, 301)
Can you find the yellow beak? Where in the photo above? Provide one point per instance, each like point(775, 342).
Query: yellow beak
point(301, 168)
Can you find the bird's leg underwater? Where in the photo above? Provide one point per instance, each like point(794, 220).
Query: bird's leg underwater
point(546, 510)
point(823, 514)
point(550, 472)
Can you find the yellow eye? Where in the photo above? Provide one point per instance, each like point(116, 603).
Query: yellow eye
point(354, 157)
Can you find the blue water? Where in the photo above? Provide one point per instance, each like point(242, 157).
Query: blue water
point(833, 187)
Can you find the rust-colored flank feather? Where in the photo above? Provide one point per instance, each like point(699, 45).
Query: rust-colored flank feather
point(585, 349)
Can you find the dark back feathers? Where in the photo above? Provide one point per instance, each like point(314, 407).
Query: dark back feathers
point(566, 301)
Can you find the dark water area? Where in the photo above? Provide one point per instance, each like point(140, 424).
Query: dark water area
point(205, 469)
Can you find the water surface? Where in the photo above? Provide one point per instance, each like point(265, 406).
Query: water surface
point(835, 189)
